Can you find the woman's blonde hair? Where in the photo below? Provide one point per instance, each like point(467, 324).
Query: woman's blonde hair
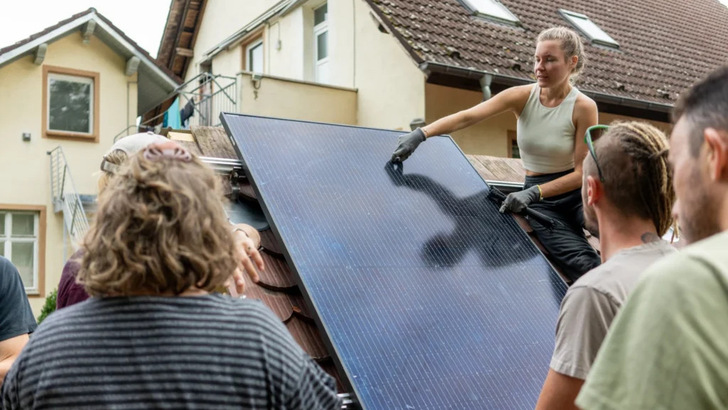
point(570, 44)
point(160, 228)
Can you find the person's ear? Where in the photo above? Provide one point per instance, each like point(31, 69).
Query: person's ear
point(594, 190)
point(716, 143)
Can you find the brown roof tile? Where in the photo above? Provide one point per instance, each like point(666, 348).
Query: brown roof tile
point(664, 45)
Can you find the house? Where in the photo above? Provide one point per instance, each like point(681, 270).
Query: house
point(67, 91)
point(400, 63)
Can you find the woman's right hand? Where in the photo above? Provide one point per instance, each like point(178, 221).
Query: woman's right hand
point(407, 144)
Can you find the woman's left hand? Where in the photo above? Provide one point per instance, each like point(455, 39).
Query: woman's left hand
point(248, 241)
point(517, 202)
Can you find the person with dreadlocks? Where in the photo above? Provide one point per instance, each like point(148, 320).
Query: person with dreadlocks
point(628, 195)
point(667, 347)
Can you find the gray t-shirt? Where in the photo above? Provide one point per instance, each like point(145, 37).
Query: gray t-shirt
point(592, 302)
point(196, 352)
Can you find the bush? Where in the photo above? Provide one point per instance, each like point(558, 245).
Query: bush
point(49, 306)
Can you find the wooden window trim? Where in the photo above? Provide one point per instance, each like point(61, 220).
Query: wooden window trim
point(94, 136)
point(253, 37)
point(41, 209)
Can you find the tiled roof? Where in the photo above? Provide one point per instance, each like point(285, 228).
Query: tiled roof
point(664, 45)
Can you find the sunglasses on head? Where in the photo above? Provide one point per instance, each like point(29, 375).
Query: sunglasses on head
point(592, 134)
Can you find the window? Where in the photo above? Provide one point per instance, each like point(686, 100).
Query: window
point(321, 43)
point(595, 34)
point(22, 231)
point(70, 103)
point(513, 151)
point(254, 56)
point(492, 9)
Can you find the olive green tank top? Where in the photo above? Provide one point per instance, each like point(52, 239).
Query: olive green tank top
point(546, 134)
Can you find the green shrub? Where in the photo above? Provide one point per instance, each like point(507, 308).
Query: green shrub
point(49, 306)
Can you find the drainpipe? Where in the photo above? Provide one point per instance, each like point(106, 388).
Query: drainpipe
point(485, 85)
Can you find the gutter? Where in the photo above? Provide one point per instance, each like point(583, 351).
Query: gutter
point(471, 73)
point(279, 8)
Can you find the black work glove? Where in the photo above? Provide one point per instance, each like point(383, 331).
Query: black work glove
point(517, 202)
point(406, 145)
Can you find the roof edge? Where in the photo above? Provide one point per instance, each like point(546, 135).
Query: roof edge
point(281, 8)
point(431, 67)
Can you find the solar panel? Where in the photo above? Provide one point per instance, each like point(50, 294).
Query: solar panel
point(427, 295)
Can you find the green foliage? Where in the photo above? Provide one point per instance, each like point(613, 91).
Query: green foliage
point(49, 306)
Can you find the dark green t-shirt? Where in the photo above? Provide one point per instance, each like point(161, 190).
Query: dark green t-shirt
point(16, 317)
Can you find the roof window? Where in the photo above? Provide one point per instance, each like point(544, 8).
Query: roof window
point(492, 9)
point(595, 34)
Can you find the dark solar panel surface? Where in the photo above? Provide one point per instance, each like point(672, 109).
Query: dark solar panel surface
point(430, 298)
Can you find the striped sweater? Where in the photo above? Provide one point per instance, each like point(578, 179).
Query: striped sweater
point(202, 352)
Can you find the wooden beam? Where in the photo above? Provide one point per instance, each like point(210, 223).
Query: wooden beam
point(132, 65)
point(40, 54)
point(185, 52)
point(88, 30)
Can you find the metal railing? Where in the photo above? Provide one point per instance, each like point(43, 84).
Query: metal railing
point(65, 197)
point(208, 95)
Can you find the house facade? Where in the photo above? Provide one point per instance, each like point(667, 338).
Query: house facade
point(397, 63)
point(66, 93)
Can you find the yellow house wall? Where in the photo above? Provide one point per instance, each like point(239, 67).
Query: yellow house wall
point(391, 87)
point(489, 137)
point(24, 169)
point(283, 98)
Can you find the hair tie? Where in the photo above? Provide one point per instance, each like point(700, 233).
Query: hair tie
point(171, 150)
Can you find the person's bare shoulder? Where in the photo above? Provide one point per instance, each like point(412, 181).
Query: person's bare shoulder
point(518, 96)
point(585, 103)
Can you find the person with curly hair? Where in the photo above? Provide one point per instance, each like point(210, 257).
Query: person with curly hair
point(71, 292)
point(153, 334)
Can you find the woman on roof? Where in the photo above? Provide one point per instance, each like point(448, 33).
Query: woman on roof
point(553, 117)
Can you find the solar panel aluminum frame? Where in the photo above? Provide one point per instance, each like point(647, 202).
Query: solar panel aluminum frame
point(323, 328)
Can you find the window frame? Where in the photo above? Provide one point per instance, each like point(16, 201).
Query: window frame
point(39, 211)
point(512, 140)
point(96, 85)
point(319, 29)
point(484, 14)
point(573, 18)
point(247, 47)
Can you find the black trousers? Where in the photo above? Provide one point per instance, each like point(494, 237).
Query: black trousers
point(565, 242)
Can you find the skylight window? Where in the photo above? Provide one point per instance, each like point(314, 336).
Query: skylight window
point(492, 9)
point(595, 34)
